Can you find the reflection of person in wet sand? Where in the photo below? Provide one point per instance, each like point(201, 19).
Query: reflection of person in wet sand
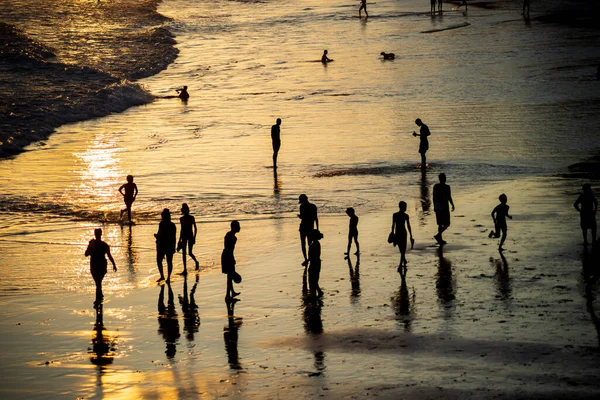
point(129, 192)
point(441, 197)
point(308, 218)
point(363, 6)
point(228, 259)
point(166, 237)
point(168, 324)
point(276, 140)
point(424, 142)
point(314, 257)
point(102, 351)
point(354, 278)
point(97, 250)
point(587, 205)
point(324, 58)
point(187, 236)
point(182, 93)
point(400, 221)
point(230, 336)
point(191, 319)
point(499, 215)
point(352, 231)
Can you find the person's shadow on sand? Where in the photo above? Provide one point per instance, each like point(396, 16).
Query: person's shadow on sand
point(230, 335)
point(168, 324)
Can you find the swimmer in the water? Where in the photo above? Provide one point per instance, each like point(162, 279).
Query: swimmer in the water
point(183, 94)
point(324, 58)
point(388, 56)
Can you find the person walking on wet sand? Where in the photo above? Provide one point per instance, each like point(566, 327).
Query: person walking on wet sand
point(363, 6)
point(308, 218)
point(441, 197)
point(187, 236)
point(432, 4)
point(129, 192)
point(314, 257)
point(228, 259)
point(183, 93)
point(499, 215)
point(400, 222)
point(587, 205)
point(352, 231)
point(166, 237)
point(423, 134)
point(97, 250)
point(525, 12)
point(276, 140)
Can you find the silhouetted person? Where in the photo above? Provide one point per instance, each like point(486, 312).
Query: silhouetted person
point(525, 8)
point(424, 142)
point(432, 3)
point(187, 236)
point(324, 58)
point(354, 277)
point(168, 324)
point(129, 192)
point(363, 6)
point(352, 231)
point(314, 258)
point(97, 250)
point(441, 197)
point(464, 3)
point(102, 351)
point(440, 2)
point(230, 335)
point(276, 140)
point(308, 218)
point(587, 205)
point(182, 93)
point(228, 259)
point(499, 215)
point(388, 56)
point(400, 222)
point(166, 237)
point(191, 319)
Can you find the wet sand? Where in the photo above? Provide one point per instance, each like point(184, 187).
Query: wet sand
point(467, 323)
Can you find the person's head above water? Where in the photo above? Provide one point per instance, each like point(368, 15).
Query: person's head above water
point(503, 199)
point(402, 206)
point(235, 226)
point(185, 209)
point(418, 122)
point(166, 214)
point(442, 177)
point(302, 198)
point(98, 233)
point(129, 178)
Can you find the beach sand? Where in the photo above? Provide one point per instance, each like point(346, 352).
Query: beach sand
point(468, 323)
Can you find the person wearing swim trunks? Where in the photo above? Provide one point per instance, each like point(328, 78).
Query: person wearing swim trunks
point(276, 140)
point(129, 192)
point(400, 222)
point(228, 259)
point(97, 250)
point(441, 197)
point(587, 205)
point(187, 236)
point(308, 219)
point(424, 142)
point(165, 244)
point(499, 215)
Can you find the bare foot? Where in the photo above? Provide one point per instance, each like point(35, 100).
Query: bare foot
point(162, 278)
point(197, 265)
point(236, 294)
point(184, 272)
point(305, 263)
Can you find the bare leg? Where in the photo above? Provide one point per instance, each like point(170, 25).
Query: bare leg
point(584, 232)
point(159, 263)
point(349, 245)
point(303, 244)
point(357, 246)
point(423, 161)
point(184, 256)
point(503, 239)
point(190, 246)
point(129, 212)
point(169, 266)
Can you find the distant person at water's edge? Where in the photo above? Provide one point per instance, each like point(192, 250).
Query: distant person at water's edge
point(182, 93)
point(228, 259)
point(187, 236)
point(441, 197)
point(314, 257)
point(276, 140)
point(432, 4)
point(352, 231)
point(129, 192)
point(423, 134)
point(440, 3)
point(587, 205)
point(324, 58)
point(400, 222)
point(166, 239)
point(363, 6)
point(308, 218)
point(97, 250)
point(499, 215)
point(525, 8)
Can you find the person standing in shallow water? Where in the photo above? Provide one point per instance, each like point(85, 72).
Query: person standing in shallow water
point(363, 6)
point(97, 250)
point(183, 93)
point(228, 259)
point(423, 134)
point(587, 205)
point(324, 58)
point(352, 231)
point(308, 217)
point(166, 237)
point(314, 257)
point(129, 192)
point(276, 140)
point(441, 197)
point(400, 222)
point(187, 236)
point(499, 215)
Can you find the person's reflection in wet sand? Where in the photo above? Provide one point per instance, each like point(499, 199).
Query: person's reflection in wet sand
point(168, 324)
point(503, 281)
point(189, 308)
point(230, 335)
point(354, 279)
point(313, 324)
point(102, 352)
point(276, 184)
point(445, 285)
point(590, 271)
point(425, 197)
point(132, 254)
point(402, 305)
